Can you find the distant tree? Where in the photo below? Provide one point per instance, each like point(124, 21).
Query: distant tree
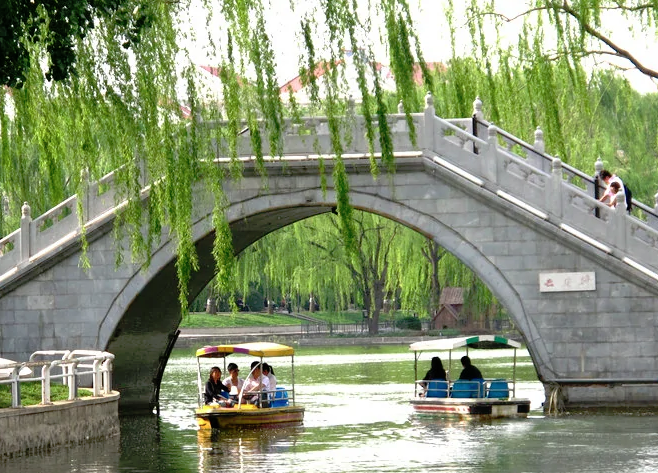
point(58, 25)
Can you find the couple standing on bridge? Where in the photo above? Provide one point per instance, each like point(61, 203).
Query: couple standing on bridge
point(614, 185)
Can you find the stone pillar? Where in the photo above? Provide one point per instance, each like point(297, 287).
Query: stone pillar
point(475, 127)
point(358, 131)
point(620, 221)
point(143, 169)
point(539, 145)
point(596, 191)
point(489, 162)
point(84, 177)
point(477, 108)
point(554, 203)
point(428, 125)
point(26, 221)
point(400, 107)
point(652, 221)
point(539, 149)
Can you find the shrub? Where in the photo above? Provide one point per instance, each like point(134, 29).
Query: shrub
point(408, 323)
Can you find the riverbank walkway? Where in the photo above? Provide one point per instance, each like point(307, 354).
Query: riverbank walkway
point(301, 335)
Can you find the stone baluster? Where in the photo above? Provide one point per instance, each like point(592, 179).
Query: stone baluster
point(428, 123)
point(477, 108)
point(26, 232)
point(84, 177)
point(620, 221)
point(490, 162)
point(358, 137)
point(595, 190)
point(475, 128)
point(555, 196)
point(539, 146)
point(143, 168)
point(400, 107)
point(652, 220)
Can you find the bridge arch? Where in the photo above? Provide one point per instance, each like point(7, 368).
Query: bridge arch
point(253, 218)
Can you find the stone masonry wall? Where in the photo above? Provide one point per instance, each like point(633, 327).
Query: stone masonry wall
point(36, 428)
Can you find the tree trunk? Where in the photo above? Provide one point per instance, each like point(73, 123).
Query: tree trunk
point(311, 303)
point(211, 305)
point(434, 256)
point(378, 293)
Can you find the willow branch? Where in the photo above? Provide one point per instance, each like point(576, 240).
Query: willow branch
point(565, 7)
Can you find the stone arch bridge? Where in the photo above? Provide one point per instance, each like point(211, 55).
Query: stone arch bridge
point(579, 279)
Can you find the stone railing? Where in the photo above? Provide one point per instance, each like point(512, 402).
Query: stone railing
point(516, 171)
point(521, 173)
point(70, 368)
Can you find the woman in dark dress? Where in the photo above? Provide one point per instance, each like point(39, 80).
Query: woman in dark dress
point(215, 387)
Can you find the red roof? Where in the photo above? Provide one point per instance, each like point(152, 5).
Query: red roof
point(295, 85)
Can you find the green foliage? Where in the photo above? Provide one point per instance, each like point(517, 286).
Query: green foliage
point(409, 323)
point(57, 26)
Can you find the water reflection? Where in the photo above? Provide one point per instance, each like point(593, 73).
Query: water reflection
point(94, 457)
point(243, 449)
point(358, 419)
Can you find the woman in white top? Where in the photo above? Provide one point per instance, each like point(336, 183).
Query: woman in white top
point(269, 372)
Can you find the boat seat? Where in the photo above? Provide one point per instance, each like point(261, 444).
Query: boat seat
point(437, 388)
point(463, 388)
point(280, 397)
point(498, 389)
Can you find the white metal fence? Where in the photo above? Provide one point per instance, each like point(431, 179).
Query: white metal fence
point(71, 368)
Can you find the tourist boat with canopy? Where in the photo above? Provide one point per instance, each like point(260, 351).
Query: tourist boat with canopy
point(478, 398)
point(280, 408)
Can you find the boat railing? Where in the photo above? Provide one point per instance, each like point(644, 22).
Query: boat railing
point(72, 367)
point(494, 388)
point(279, 397)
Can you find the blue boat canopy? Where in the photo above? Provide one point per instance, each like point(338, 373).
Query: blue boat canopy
point(480, 341)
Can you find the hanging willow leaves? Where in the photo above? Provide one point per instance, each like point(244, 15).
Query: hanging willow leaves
point(99, 86)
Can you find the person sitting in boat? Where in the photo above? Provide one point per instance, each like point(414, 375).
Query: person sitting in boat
point(254, 383)
point(469, 372)
point(233, 381)
point(215, 389)
point(436, 371)
point(269, 372)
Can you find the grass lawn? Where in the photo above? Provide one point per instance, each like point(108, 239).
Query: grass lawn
point(31, 393)
point(240, 319)
point(249, 319)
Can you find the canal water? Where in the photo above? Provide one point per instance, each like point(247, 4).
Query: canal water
point(358, 420)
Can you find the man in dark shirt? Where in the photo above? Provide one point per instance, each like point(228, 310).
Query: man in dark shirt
point(469, 371)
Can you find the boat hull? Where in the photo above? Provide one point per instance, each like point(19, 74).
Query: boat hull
point(248, 416)
point(481, 408)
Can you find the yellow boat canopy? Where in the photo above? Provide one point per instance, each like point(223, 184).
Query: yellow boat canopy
point(259, 349)
point(452, 343)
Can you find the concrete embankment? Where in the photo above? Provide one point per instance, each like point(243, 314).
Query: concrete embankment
point(35, 428)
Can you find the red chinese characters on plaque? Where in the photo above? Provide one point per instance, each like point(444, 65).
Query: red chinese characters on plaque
point(561, 282)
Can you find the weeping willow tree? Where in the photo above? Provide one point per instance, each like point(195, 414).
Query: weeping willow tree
point(97, 85)
point(392, 262)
